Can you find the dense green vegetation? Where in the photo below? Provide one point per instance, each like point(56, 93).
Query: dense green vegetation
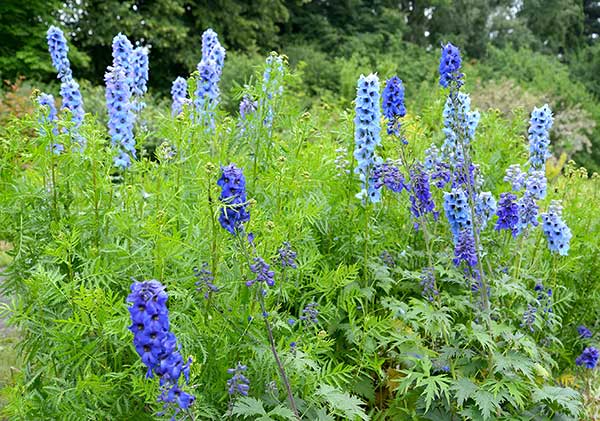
point(377, 318)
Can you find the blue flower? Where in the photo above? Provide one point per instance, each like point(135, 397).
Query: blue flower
point(460, 124)
point(389, 175)
point(154, 342)
point(207, 92)
point(456, 207)
point(420, 197)
point(213, 50)
point(539, 136)
point(287, 256)
point(48, 114)
point(588, 358)
point(450, 63)
point(367, 134)
point(122, 53)
point(584, 332)
point(310, 313)
point(393, 104)
point(263, 273)
point(233, 195)
point(515, 177)
point(485, 208)
point(57, 45)
point(272, 87)
point(72, 101)
point(179, 95)
point(238, 383)
point(120, 116)
point(535, 184)
point(528, 213)
point(556, 230)
point(247, 106)
point(508, 213)
point(464, 250)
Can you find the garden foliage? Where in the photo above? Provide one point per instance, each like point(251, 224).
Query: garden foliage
point(206, 265)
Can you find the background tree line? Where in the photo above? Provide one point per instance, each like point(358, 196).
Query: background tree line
point(329, 36)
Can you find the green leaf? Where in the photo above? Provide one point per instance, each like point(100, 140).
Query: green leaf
point(248, 407)
point(342, 403)
point(464, 389)
point(565, 398)
point(486, 402)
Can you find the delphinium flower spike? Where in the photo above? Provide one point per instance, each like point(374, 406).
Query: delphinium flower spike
point(515, 177)
point(179, 95)
point(539, 137)
point(207, 92)
point(460, 124)
point(465, 248)
point(556, 230)
point(393, 105)
point(139, 64)
point(238, 384)
point(485, 208)
point(122, 53)
point(287, 256)
point(263, 273)
point(456, 207)
point(72, 101)
point(388, 174)
point(120, 116)
point(588, 358)
point(367, 135)
point(508, 213)
point(542, 306)
point(310, 313)
point(155, 343)
point(420, 194)
point(213, 50)
point(272, 88)
point(57, 45)
point(450, 64)
point(234, 212)
point(428, 284)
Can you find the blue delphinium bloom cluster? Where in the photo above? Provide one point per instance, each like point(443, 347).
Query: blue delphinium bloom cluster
point(238, 384)
point(69, 89)
point(388, 174)
point(139, 64)
point(515, 177)
point(393, 104)
point(588, 358)
point(207, 92)
point(536, 184)
point(155, 343)
point(272, 87)
point(205, 280)
point(428, 284)
point(539, 137)
point(584, 332)
point(47, 113)
point(120, 116)
point(460, 124)
point(421, 200)
point(234, 213)
point(310, 313)
point(247, 106)
point(72, 101)
point(122, 54)
point(456, 207)
point(57, 45)
point(367, 134)
point(465, 248)
point(556, 230)
point(287, 256)
point(213, 50)
point(179, 95)
point(485, 208)
point(263, 273)
point(508, 213)
point(450, 64)
point(528, 213)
